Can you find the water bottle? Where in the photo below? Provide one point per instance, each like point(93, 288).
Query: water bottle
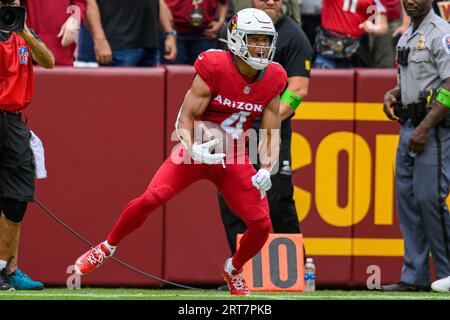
point(310, 275)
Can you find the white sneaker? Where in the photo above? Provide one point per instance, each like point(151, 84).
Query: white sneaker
point(442, 285)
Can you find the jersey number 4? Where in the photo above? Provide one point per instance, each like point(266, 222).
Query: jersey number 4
point(234, 123)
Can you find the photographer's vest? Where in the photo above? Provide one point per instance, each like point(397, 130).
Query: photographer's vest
point(16, 74)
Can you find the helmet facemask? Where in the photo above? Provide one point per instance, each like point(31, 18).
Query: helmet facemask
point(261, 60)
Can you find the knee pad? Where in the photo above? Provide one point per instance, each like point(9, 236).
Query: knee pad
point(14, 210)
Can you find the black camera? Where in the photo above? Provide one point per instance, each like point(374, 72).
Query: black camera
point(12, 18)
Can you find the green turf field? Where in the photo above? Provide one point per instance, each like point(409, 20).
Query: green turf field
point(161, 294)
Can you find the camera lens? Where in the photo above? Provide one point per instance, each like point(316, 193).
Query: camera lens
point(12, 18)
point(7, 17)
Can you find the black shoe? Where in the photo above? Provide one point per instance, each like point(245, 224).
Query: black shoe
point(403, 287)
point(4, 282)
point(223, 288)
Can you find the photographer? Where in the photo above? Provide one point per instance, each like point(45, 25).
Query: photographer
point(17, 46)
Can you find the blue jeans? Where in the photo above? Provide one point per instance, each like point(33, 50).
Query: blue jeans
point(136, 57)
point(189, 47)
point(322, 62)
point(85, 46)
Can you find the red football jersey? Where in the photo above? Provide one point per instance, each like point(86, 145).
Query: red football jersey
point(182, 11)
point(46, 17)
point(345, 16)
point(16, 74)
point(235, 103)
point(393, 9)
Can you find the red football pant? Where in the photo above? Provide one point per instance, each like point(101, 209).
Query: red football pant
point(234, 182)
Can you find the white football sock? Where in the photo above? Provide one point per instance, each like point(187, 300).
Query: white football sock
point(229, 266)
point(109, 247)
point(2, 264)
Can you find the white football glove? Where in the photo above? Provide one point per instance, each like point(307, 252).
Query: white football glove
point(261, 181)
point(202, 152)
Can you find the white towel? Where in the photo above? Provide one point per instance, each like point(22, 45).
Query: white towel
point(38, 156)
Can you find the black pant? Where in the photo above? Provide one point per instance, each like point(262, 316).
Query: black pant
point(282, 211)
point(16, 159)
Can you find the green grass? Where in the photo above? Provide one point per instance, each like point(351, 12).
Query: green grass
point(169, 294)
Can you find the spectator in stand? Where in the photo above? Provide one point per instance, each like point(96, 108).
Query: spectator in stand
point(382, 48)
point(57, 24)
point(310, 11)
point(128, 39)
point(196, 26)
point(289, 7)
point(341, 41)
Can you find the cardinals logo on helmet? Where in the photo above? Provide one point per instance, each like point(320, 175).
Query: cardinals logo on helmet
point(232, 25)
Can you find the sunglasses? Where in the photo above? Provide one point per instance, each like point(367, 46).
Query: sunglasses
point(265, 1)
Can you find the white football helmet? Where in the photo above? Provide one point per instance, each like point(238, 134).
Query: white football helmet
point(251, 21)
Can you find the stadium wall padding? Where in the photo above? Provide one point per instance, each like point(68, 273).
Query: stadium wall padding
point(106, 131)
point(102, 131)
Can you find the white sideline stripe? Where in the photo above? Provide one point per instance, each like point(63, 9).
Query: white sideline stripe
point(269, 297)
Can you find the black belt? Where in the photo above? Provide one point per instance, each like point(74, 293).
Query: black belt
point(11, 113)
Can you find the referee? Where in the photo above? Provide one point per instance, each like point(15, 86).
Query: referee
point(294, 53)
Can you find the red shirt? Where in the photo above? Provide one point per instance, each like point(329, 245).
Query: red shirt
point(16, 74)
point(345, 16)
point(181, 11)
point(235, 103)
point(46, 17)
point(393, 9)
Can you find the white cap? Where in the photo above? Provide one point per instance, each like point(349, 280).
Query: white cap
point(309, 260)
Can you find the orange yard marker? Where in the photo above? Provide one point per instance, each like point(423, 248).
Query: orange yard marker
point(278, 266)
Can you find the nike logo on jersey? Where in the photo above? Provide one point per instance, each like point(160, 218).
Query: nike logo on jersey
point(239, 105)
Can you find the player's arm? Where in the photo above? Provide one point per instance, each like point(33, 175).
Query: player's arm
point(269, 146)
point(195, 103)
point(39, 51)
point(437, 113)
point(270, 138)
point(296, 91)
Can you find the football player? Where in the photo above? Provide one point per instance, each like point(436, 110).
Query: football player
point(230, 89)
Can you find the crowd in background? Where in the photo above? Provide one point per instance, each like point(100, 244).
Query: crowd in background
point(343, 33)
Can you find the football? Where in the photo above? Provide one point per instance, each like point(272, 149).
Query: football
point(205, 131)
